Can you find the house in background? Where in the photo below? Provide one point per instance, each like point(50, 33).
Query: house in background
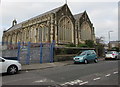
point(113, 44)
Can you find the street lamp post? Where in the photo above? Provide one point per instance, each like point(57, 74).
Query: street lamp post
point(109, 37)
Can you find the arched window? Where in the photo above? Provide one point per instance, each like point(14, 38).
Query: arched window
point(43, 33)
point(85, 31)
point(65, 30)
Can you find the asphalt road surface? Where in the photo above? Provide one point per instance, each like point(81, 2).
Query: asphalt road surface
point(101, 73)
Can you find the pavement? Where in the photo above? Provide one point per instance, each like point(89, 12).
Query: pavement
point(101, 73)
point(45, 65)
point(48, 65)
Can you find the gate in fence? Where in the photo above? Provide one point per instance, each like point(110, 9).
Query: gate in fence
point(35, 52)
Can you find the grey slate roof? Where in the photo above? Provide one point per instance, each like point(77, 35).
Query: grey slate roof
point(78, 16)
point(51, 11)
point(20, 24)
point(15, 27)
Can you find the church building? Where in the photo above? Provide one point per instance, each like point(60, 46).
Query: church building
point(58, 24)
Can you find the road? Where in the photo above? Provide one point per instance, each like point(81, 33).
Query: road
point(101, 73)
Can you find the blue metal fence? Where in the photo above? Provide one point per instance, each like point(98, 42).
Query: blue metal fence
point(28, 53)
point(43, 53)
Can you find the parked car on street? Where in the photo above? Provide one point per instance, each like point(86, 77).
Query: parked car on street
point(86, 56)
point(9, 66)
point(111, 55)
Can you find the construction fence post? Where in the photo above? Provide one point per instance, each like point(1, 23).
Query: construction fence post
point(28, 53)
point(18, 53)
point(40, 52)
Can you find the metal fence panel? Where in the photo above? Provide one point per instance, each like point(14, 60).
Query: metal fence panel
point(29, 53)
point(35, 55)
point(46, 53)
point(23, 53)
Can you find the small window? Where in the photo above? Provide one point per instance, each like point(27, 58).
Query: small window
point(93, 52)
point(109, 52)
point(89, 52)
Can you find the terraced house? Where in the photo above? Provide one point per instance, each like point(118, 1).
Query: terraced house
point(58, 24)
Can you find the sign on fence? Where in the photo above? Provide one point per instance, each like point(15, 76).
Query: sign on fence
point(24, 49)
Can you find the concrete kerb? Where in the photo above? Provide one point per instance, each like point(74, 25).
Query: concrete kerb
point(47, 65)
point(35, 68)
point(42, 66)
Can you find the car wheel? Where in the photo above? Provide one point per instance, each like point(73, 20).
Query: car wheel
point(12, 69)
point(106, 59)
point(116, 57)
point(74, 62)
point(96, 60)
point(86, 61)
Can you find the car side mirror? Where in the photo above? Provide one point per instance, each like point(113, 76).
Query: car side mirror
point(3, 60)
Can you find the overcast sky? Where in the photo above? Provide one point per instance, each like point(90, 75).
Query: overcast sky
point(103, 15)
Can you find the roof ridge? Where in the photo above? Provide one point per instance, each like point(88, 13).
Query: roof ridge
point(47, 12)
point(77, 16)
point(78, 13)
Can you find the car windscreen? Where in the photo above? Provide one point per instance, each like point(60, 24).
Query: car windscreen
point(83, 53)
point(110, 52)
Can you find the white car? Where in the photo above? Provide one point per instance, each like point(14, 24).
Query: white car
point(9, 66)
point(111, 55)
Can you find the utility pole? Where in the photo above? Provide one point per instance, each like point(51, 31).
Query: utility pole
point(109, 38)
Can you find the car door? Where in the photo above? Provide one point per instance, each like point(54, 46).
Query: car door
point(0, 65)
point(89, 56)
point(93, 55)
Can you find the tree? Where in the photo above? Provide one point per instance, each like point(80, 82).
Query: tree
point(71, 45)
point(100, 46)
point(100, 40)
point(116, 49)
point(82, 45)
point(90, 43)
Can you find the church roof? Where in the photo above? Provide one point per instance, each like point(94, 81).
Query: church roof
point(20, 24)
point(15, 27)
point(78, 16)
point(51, 11)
